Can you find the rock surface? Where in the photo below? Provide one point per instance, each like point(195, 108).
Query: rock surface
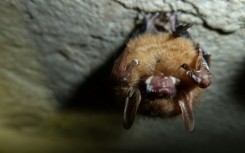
point(53, 53)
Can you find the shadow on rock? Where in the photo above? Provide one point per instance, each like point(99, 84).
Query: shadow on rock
point(239, 85)
point(97, 91)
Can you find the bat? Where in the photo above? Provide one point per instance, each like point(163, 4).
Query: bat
point(161, 72)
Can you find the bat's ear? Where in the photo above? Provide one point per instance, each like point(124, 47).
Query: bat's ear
point(131, 106)
point(186, 110)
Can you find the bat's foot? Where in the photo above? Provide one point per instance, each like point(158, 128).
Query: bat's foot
point(164, 22)
point(159, 22)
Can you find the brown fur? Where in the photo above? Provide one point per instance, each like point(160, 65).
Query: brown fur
point(164, 53)
point(160, 52)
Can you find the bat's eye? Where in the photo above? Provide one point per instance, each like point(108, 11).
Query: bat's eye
point(185, 66)
point(135, 62)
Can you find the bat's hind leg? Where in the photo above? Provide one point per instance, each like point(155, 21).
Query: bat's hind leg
point(164, 22)
point(159, 22)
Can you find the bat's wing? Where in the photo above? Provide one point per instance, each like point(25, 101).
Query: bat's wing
point(131, 106)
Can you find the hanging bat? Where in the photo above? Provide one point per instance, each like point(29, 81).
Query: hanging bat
point(161, 72)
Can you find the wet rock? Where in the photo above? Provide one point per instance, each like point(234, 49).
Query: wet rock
point(75, 38)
